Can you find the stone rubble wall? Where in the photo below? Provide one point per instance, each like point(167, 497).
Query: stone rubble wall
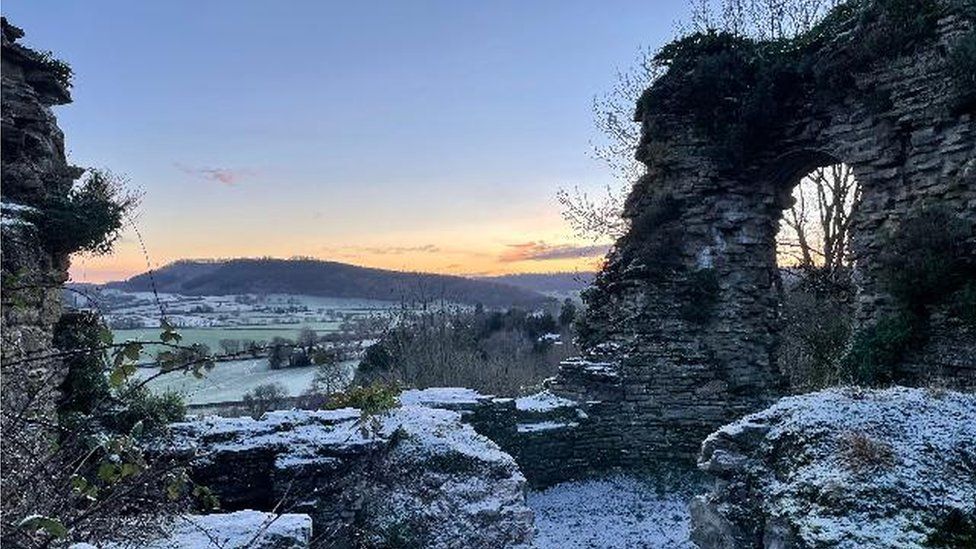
point(416, 476)
point(553, 439)
point(34, 167)
point(676, 379)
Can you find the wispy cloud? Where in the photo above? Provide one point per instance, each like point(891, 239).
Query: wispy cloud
point(541, 251)
point(224, 176)
point(398, 250)
point(384, 250)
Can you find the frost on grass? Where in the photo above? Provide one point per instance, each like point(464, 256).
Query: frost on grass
point(843, 468)
point(610, 513)
point(239, 530)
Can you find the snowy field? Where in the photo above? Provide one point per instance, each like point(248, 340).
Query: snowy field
point(229, 381)
point(611, 513)
point(209, 319)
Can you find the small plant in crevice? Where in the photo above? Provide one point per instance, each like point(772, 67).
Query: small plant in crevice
point(699, 295)
point(373, 401)
point(863, 454)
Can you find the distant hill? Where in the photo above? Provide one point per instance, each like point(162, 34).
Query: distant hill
point(546, 283)
point(325, 279)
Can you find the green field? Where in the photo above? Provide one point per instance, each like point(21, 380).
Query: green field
point(212, 336)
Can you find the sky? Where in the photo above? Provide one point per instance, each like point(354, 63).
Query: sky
point(415, 135)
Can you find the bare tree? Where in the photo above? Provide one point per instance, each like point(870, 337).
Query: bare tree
point(599, 217)
point(815, 230)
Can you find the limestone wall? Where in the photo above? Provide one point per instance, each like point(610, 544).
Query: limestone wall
point(34, 167)
point(703, 233)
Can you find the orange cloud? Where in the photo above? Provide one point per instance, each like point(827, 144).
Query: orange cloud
point(540, 251)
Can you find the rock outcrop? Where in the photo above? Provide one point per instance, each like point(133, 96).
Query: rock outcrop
point(34, 170)
point(238, 530)
point(416, 476)
point(843, 468)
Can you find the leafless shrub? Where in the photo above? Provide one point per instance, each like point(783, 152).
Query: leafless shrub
point(863, 454)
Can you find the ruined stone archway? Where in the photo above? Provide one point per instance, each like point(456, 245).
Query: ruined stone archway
point(682, 321)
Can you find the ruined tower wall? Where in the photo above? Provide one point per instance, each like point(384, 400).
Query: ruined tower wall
point(684, 318)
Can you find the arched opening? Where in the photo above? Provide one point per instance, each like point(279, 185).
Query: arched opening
point(815, 265)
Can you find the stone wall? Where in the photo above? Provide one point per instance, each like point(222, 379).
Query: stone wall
point(34, 168)
point(702, 234)
point(416, 477)
point(553, 439)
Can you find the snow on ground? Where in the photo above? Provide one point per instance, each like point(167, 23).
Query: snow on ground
point(230, 381)
point(545, 426)
point(614, 512)
point(542, 402)
point(238, 530)
point(440, 396)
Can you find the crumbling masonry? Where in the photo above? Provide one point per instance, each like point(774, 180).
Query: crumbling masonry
point(658, 379)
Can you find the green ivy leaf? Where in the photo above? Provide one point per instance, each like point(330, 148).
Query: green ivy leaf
point(109, 472)
point(129, 469)
point(132, 350)
point(176, 486)
point(51, 526)
point(169, 333)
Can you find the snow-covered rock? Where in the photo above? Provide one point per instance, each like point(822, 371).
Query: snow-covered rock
point(542, 402)
point(844, 468)
point(238, 530)
point(416, 476)
point(442, 397)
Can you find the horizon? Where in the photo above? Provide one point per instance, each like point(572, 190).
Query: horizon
point(474, 276)
point(429, 138)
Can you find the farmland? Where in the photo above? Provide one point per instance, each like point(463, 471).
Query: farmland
point(211, 320)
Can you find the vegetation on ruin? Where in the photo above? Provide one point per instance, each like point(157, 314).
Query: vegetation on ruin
point(88, 218)
point(62, 71)
point(928, 261)
point(738, 88)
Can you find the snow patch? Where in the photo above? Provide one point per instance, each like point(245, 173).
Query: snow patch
point(612, 513)
point(542, 402)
